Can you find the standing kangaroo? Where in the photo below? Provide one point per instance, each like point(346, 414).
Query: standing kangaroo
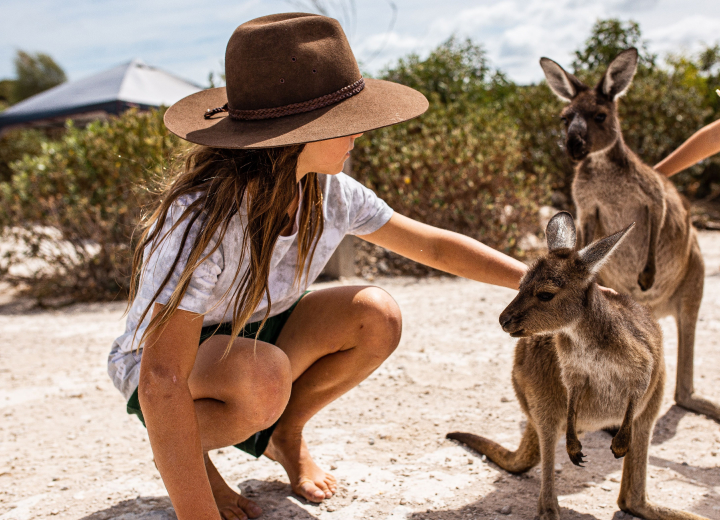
point(662, 266)
point(587, 360)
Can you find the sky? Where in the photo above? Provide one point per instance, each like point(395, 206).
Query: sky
point(188, 38)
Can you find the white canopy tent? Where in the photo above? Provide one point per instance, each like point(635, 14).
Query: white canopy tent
point(113, 91)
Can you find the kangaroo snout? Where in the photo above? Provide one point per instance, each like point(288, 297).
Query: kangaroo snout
point(577, 147)
point(511, 325)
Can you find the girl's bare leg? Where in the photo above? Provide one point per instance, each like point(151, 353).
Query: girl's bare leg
point(334, 339)
point(235, 397)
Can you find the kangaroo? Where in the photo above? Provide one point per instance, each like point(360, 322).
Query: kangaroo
point(587, 360)
point(662, 266)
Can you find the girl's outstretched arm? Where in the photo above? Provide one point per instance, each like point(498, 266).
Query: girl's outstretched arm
point(169, 411)
point(701, 145)
point(448, 251)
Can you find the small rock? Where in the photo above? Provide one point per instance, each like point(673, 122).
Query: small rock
point(504, 399)
point(330, 508)
point(371, 442)
point(403, 501)
point(354, 497)
point(483, 458)
point(614, 479)
point(471, 461)
point(713, 453)
point(606, 488)
point(333, 467)
point(558, 468)
point(506, 510)
point(685, 463)
point(588, 484)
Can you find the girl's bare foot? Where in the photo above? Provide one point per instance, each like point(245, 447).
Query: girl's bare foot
point(232, 506)
point(306, 478)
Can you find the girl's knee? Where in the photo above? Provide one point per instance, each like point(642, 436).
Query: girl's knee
point(378, 319)
point(263, 384)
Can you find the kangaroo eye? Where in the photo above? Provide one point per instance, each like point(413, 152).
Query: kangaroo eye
point(564, 120)
point(545, 296)
point(600, 117)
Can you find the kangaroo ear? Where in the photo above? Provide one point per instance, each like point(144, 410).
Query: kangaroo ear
point(560, 232)
point(596, 254)
point(619, 74)
point(563, 84)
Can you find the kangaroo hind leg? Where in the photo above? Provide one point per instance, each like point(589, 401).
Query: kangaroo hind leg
point(633, 494)
point(519, 461)
point(688, 300)
point(548, 508)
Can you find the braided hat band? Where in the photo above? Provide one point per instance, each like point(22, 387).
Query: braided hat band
point(288, 110)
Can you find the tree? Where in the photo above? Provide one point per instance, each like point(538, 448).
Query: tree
point(35, 73)
point(457, 70)
point(607, 39)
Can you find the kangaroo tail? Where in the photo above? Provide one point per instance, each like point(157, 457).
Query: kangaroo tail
point(519, 461)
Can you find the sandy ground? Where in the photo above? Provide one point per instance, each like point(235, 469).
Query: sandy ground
point(68, 450)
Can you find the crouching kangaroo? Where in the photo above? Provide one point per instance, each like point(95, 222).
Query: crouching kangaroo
point(587, 360)
point(662, 266)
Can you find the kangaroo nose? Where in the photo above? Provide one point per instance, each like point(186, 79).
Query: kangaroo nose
point(505, 321)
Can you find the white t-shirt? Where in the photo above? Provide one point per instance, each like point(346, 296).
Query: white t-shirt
point(348, 208)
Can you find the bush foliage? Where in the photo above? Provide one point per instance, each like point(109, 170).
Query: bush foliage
point(74, 205)
point(458, 167)
point(481, 161)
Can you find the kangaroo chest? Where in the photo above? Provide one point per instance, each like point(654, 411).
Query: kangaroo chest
point(613, 198)
point(616, 199)
point(606, 379)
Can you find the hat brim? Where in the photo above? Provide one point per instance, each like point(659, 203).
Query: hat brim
point(379, 104)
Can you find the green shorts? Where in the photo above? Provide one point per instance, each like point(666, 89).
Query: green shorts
point(257, 443)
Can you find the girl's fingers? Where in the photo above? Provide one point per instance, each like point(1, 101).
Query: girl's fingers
point(232, 513)
point(250, 508)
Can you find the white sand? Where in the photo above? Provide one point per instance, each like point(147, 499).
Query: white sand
point(68, 450)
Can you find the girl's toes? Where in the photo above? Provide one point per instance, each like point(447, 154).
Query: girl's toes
point(308, 489)
point(331, 483)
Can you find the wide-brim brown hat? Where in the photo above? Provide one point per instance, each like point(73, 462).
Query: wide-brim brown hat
point(291, 78)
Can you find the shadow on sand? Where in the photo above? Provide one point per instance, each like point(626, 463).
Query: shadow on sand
point(274, 497)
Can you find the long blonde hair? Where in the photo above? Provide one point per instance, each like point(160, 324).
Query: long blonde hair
point(266, 180)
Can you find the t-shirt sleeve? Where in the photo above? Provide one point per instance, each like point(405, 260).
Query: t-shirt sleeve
point(159, 263)
point(367, 211)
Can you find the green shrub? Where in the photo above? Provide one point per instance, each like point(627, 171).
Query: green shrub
point(480, 162)
point(71, 209)
point(16, 144)
point(457, 170)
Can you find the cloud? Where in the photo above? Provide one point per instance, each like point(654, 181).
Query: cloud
point(188, 38)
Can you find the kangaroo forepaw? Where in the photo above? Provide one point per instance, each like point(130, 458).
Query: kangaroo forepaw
point(646, 278)
point(620, 445)
point(574, 451)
